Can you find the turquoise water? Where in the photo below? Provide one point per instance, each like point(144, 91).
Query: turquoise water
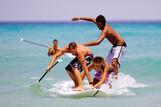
point(22, 64)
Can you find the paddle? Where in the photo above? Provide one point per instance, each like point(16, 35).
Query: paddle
point(34, 43)
point(36, 85)
point(49, 69)
point(38, 44)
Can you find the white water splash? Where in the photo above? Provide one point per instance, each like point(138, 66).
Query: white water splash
point(122, 85)
point(119, 87)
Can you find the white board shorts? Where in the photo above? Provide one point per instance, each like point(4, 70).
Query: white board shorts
point(116, 52)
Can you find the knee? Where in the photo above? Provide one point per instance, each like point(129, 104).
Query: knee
point(115, 62)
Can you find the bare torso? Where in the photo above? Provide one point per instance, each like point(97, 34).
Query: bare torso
point(113, 36)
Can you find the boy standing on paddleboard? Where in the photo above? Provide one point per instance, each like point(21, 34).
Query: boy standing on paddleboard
point(118, 49)
point(79, 63)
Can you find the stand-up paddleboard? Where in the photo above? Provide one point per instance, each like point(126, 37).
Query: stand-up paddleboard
point(85, 93)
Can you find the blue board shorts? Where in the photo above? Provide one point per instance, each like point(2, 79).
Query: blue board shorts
point(75, 63)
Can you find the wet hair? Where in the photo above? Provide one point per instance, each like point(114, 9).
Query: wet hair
point(72, 45)
point(101, 19)
point(99, 60)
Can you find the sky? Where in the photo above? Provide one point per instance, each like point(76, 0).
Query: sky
point(64, 10)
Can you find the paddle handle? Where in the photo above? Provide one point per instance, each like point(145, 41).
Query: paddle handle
point(43, 76)
point(48, 70)
point(34, 43)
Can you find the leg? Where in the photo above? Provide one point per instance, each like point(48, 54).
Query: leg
point(79, 79)
point(115, 64)
point(72, 76)
point(110, 56)
point(118, 54)
point(69, 69)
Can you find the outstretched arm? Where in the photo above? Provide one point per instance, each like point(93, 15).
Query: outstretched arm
point(84, 18)
point(96, 42)
point(54, 57)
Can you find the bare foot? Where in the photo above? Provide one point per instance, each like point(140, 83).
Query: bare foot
point(110, 86)
point(74, 86)
point(78, 89)
point(116, 77)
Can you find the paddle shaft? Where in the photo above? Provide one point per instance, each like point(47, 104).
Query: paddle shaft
point(48, 70)
point(34, 43)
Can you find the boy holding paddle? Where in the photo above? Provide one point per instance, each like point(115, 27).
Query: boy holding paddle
point(53, 50)
point(83, 58)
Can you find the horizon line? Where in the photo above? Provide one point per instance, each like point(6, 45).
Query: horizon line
point(69, 21)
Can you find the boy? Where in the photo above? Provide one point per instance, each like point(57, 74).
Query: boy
point(118, 49)
point(54, 49)
point(79, 63)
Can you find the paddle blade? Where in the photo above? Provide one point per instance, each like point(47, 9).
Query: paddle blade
point(36, 84)
point(35, 88)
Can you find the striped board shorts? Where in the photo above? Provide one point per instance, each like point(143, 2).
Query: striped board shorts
point(116, 52)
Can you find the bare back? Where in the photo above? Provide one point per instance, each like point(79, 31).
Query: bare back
point(84, 50)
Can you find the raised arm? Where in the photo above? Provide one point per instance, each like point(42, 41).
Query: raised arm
point(84, 18)
point(54, 57)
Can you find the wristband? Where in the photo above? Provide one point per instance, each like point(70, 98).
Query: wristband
point(90, 82)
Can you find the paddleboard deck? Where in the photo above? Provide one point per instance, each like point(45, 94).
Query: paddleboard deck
point(85, 93)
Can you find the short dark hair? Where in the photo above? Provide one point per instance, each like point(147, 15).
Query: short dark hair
point(72, 45)
point(101, 19)
point(55, 40)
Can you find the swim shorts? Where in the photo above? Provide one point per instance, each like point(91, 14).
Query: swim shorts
point(117, 52)
point(76, 63)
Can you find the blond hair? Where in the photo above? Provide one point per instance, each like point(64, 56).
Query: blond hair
point(99, 60)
